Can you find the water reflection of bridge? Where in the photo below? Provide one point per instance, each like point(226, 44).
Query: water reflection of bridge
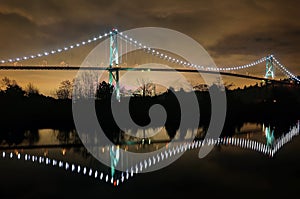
point(137, 167)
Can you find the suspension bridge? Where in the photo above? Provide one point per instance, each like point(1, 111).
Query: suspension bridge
point(114, 62)
point(270, 61)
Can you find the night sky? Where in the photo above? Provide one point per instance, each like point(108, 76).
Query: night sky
point(233, 31)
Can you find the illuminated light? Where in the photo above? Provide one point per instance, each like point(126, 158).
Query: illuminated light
point(131, 171)
point(130, 39)
point(47, 161)
point(26, 157)
point(72, 167)
point(140, 44)
point(3, 154)
point(19, 156)
point(84, 170)
point(2, 61)
point(66, 48)
point(18, 59)
point(101, 176)
point(166, 154)
point(53, 51)
point(115, 183)
point(145, 164)
point(90, 172)
point(94, 38)
point(67, 166)
point(144, 46)
point(127, 175)
point(106, 178)
point(46, 53)
point(83, 43)
point(77, 45)
point(72, 46)
point(141, 166)
point(105, 35)
point(112, 180)
point(174, 151)
point(10, 60)
point(60, 164)
point(25, 58)
point(89, 41)
point(54, 162)
point(96, 174)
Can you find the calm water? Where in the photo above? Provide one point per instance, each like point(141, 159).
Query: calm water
point(64, 147)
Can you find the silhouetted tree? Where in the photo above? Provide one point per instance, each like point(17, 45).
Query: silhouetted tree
point(14, 91)
point(146, 88)
point(31, 90)
point(200, 87)
point(5, 82)
point(104, 90)
point(65, 90)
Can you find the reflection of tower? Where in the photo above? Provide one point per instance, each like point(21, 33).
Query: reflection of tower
point(114, 153)
point(270, 69)
point(269, 136)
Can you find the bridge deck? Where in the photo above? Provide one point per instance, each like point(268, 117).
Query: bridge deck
point(139, 69)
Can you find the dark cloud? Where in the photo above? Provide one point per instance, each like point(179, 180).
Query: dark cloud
point(213, 23)
point(281, 40)
point(245, 47)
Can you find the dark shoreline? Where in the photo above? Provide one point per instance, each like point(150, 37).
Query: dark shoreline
point(270, 104)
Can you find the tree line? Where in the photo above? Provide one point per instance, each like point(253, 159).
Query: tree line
point(27, 107)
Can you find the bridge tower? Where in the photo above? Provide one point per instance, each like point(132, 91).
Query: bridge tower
point(114, 61)
point(270, 69)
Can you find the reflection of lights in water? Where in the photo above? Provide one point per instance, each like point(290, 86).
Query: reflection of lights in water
point(114, 158)
point(151, 161)
point(63, 151)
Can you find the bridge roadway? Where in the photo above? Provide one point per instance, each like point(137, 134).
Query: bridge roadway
point(182, 70)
